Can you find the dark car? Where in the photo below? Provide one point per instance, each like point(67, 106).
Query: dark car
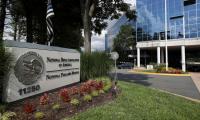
point(126, 65)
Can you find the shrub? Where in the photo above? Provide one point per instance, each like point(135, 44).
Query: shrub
point(74, 90)
point(28, 107)
point(101, 92)
point(7, 116)
point(2, 108)
point(160, 68)
point(95, 93)
point(94, 84)
point(5, 64)
point(174, 71)
point(75, 102)
point(44, 99)
point(87, 98)
point(107, 86)
point(39, 115)
point(94, 65)
point(98, 85)
point(56, 106)
point(85, 88)
point(170, 70)
point(64, 95)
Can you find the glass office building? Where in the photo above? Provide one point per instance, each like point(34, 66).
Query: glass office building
point(180, 22)
point(180, 14)
point(183, 32)
point(114, 30)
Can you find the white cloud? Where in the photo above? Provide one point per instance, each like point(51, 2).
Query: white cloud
point(133, 2)
point(98, 41)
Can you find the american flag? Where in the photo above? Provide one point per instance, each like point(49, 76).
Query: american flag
point(50, 14)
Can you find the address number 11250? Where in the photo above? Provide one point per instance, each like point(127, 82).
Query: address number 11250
point(28, 90)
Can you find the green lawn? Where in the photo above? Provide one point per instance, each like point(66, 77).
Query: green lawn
point(140, 103)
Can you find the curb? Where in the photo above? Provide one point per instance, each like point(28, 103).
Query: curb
point(188, 98)
point(164, 74)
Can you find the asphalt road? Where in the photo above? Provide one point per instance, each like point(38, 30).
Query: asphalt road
point(178, 85)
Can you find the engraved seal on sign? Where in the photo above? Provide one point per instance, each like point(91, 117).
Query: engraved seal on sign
point(29, 68)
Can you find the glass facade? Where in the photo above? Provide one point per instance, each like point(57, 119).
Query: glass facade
point(180, 13)
point(114, 30)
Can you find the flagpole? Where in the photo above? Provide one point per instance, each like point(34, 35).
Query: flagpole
point(166, 47)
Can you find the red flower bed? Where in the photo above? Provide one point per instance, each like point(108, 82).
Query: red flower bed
point(64, 95)
point(61, 103)
point(74, 90)
point(28, 108)
point(170, 70)
point(44, 99)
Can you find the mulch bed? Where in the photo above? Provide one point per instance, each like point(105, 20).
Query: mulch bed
point(66, 109)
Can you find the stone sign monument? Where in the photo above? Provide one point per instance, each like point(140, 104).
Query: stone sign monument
point(38, 68)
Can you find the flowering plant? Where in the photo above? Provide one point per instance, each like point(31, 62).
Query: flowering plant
point(74, 90)
point(28, 108)
point(98, 85)
point(44, 99)
point(85, 88)
point(64, 95)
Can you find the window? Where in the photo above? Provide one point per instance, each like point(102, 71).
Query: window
point(192, 17)
point(187, 30)
point(193, 28)
point(198, 13)
point(189, 2)
point(145, 37)
point(193, 35)
point(187, 35)
point(186, 18)
point(198, 27)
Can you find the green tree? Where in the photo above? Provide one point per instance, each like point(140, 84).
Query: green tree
point(3, 4)
point(5, 64)
point(34, 11)
point(67, 24)
point(95, 12)
point(70, 17)
point(18, 21)
point(30, 15)
point(124, 41)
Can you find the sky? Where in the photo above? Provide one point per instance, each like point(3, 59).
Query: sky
point(98, 41)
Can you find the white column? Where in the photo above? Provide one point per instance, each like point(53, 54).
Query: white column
point(158, 55)
point(166, 47)
point(183, 58)
point(138, 57)
point(162, 55)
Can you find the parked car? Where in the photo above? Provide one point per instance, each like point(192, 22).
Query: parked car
point(126, 65)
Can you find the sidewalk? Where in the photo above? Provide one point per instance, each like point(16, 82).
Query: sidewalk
point(154, 73)
point(196, 79)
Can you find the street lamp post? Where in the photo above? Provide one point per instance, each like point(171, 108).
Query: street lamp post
point(115, 56)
